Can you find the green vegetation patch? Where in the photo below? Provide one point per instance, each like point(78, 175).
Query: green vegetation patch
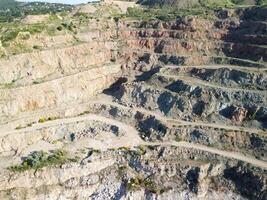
point(10, 33)
point(8, 85)
point(25, 126)
point(182, 4)
point(171, 9)
point(44, 119)
point(40, 159)
point(149, 184)
point(166, 14)
point(251, 2)
point(11, 10)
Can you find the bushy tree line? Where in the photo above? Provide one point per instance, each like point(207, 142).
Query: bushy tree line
point(11, 9)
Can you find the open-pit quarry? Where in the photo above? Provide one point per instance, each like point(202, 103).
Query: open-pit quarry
point(136, 109)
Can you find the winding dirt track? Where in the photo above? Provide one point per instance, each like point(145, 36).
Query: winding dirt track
point(132, 138)
point(227, 154)
point(105, 100)
point(219, 66)
point(197, 82)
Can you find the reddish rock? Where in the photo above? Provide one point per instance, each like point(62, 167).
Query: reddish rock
point(239, 115)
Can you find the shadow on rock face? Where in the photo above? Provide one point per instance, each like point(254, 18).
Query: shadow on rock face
point(114, 89)
point(261, 116)
point(170, 59)
point(150, 125)
point(253, 114)
point(256, 142)
point(258, 14)
point(120, 192)
point(147, 75)
point(177, 86)
point(192, 179)
point(199, 108)
point(246, 183)
point(227, 112)
point(239, 44)
point(165, 102)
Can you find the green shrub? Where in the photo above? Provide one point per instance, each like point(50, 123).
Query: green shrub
point(52, 118)
point(142, 150)
point(124, 148)
point(139, 151)
point(51, 30)
point(81, 15)
point(84, 113)
point(59, 28)
point(19, 127)
point(122, 171)
point(168, 13)
point(68, 25)
point(136, 183)
point(40, 159)
point(43, 119)
point(53, 18)
point(25, 126)
point(9, 35)
point(35, 28)
point(36, 47)
point(178, 138)
point(24, 35)
point(151, 186)
point(12, 32)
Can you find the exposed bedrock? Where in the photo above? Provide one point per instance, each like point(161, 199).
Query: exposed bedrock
point(224, 76)
point(228, 37)
point(72, 131)
point(199, 103)
point(145, 60)
point(57, 92)
point(154, 128)
point(236, 50)
point(115, 108)
point(162, 172)
point(35, 67)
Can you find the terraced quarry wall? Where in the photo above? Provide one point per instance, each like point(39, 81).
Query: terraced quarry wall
point(139, 109)
point(229, 39)
point(67, 69)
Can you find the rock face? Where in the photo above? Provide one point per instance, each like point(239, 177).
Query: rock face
point(76, 88)
point(239, 115)
point(136, 109)
point(64, 61)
